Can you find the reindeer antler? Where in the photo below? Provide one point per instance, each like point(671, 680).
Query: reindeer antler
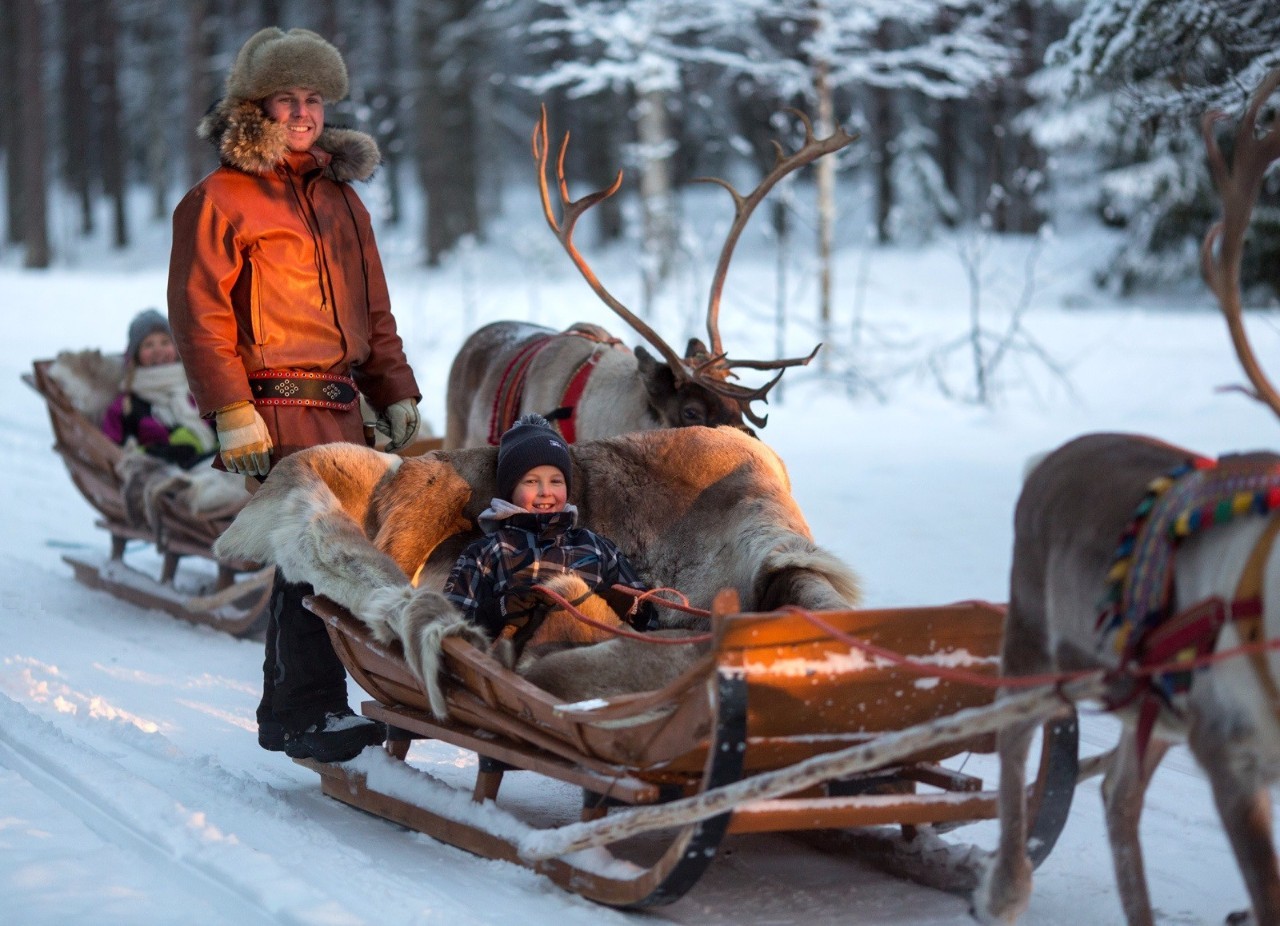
point(710, 370)
point(571, 211)
point(1238, 186)
point(783, 164)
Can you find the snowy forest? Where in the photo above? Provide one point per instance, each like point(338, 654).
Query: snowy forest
point(991, 113)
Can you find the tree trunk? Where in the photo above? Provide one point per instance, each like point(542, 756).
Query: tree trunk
point(200, 43)
point(600, 157)
point(656, 196)
point(75, 112)
point(447, 152)
point(826, 193)
point(35, 231)
point(384, 100)
point(883, 131)
point(1018, 162)
point(10, 120)
point(111, 154)
point(156, 38)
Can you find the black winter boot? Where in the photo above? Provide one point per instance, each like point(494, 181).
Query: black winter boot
point(340, 735)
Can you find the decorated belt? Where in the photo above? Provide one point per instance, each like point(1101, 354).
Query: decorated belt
point(297, 387)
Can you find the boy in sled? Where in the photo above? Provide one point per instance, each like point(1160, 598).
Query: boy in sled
point(531, 539)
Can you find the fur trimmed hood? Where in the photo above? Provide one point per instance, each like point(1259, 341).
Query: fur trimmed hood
point(249, 141)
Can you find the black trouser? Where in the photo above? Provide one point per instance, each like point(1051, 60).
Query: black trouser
point(302, 677)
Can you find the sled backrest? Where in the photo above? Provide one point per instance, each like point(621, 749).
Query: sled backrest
point(90, 456)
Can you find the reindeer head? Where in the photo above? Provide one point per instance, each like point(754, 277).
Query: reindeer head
point(694, 389)
point(682, 404)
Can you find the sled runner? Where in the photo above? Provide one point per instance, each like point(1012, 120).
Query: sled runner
point(782, 727)
point(231, 597)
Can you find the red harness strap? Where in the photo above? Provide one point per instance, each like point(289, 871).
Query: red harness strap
point(1191, 633)
point(1194, 632)
point(573, 392)
point(510, 393)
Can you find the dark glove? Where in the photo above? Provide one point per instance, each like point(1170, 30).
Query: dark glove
point(400, 422)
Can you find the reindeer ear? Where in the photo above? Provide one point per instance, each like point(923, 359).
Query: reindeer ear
point(659, 381)
point(696, 348)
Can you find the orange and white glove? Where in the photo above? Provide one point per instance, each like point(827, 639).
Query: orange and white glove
point(243, 439)
point(400, 421)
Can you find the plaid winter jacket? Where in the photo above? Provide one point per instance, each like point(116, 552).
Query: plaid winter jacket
point(521, 548)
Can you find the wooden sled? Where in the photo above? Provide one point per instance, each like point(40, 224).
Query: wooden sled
point(775, 700)
point(233, 599)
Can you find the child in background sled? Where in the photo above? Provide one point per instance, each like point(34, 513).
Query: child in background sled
point(154, 409)
point(531, 538)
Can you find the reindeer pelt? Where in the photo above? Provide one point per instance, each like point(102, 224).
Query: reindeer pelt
point(556, 628)
point(90, 379)
point(695, 509)
point(146, 479)
point(419, 620)
point(622, 665)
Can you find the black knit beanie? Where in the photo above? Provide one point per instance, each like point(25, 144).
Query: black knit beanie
point(530, 442)
point(145, 323)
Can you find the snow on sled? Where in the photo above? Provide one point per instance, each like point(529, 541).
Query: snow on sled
point(176, 514)
point(781, 720)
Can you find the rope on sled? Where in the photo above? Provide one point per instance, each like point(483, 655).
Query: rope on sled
point(1057, 679)
point(569, 607)
point(928, 670)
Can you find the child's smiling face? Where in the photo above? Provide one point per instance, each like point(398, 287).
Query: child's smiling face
point(541, 490)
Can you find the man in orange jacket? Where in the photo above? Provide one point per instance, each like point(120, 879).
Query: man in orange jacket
point(282, 317)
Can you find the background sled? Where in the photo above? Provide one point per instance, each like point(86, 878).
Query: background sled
point(235, 600)
point(776, 695)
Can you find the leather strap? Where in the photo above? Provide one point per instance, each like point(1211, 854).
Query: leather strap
point(333, 391)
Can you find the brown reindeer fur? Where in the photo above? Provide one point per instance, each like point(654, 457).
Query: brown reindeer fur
point(618, 666)
point(1069, 518)
point(697, 509)
point(556, 628)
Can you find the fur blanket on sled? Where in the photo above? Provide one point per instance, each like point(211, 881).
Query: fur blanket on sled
point(695, 509)
point(91, 380)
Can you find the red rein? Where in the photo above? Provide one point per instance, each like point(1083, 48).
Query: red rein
point(917, 668)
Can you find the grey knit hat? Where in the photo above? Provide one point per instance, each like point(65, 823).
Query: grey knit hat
point(274, 60)
point(146, 322)
point(528, 443)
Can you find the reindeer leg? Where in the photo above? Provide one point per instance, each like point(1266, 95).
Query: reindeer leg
point(1245, 809)
point(1005, 890)
point(1123, 788)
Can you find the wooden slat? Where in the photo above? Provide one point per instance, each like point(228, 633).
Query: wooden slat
point(863, 810)
point(619, 785)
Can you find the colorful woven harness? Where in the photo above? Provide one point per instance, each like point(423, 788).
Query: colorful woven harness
point(510, 394)
point(1136, 621)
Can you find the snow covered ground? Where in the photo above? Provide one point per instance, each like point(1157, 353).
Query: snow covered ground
point(132, 790)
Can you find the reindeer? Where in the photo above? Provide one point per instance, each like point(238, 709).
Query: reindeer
point(695, 509)
point(589, 380)
point(1072, 510)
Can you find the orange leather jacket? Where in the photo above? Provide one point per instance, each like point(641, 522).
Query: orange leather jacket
point(279, 269)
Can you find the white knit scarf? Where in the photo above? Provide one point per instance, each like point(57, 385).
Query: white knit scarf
point(165, 387)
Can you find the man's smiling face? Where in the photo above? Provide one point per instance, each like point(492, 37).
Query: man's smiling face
point(301, 111)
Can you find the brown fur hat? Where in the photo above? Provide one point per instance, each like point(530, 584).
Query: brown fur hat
point(274, 60)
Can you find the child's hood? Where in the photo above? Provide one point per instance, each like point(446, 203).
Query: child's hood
point(500, 510)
